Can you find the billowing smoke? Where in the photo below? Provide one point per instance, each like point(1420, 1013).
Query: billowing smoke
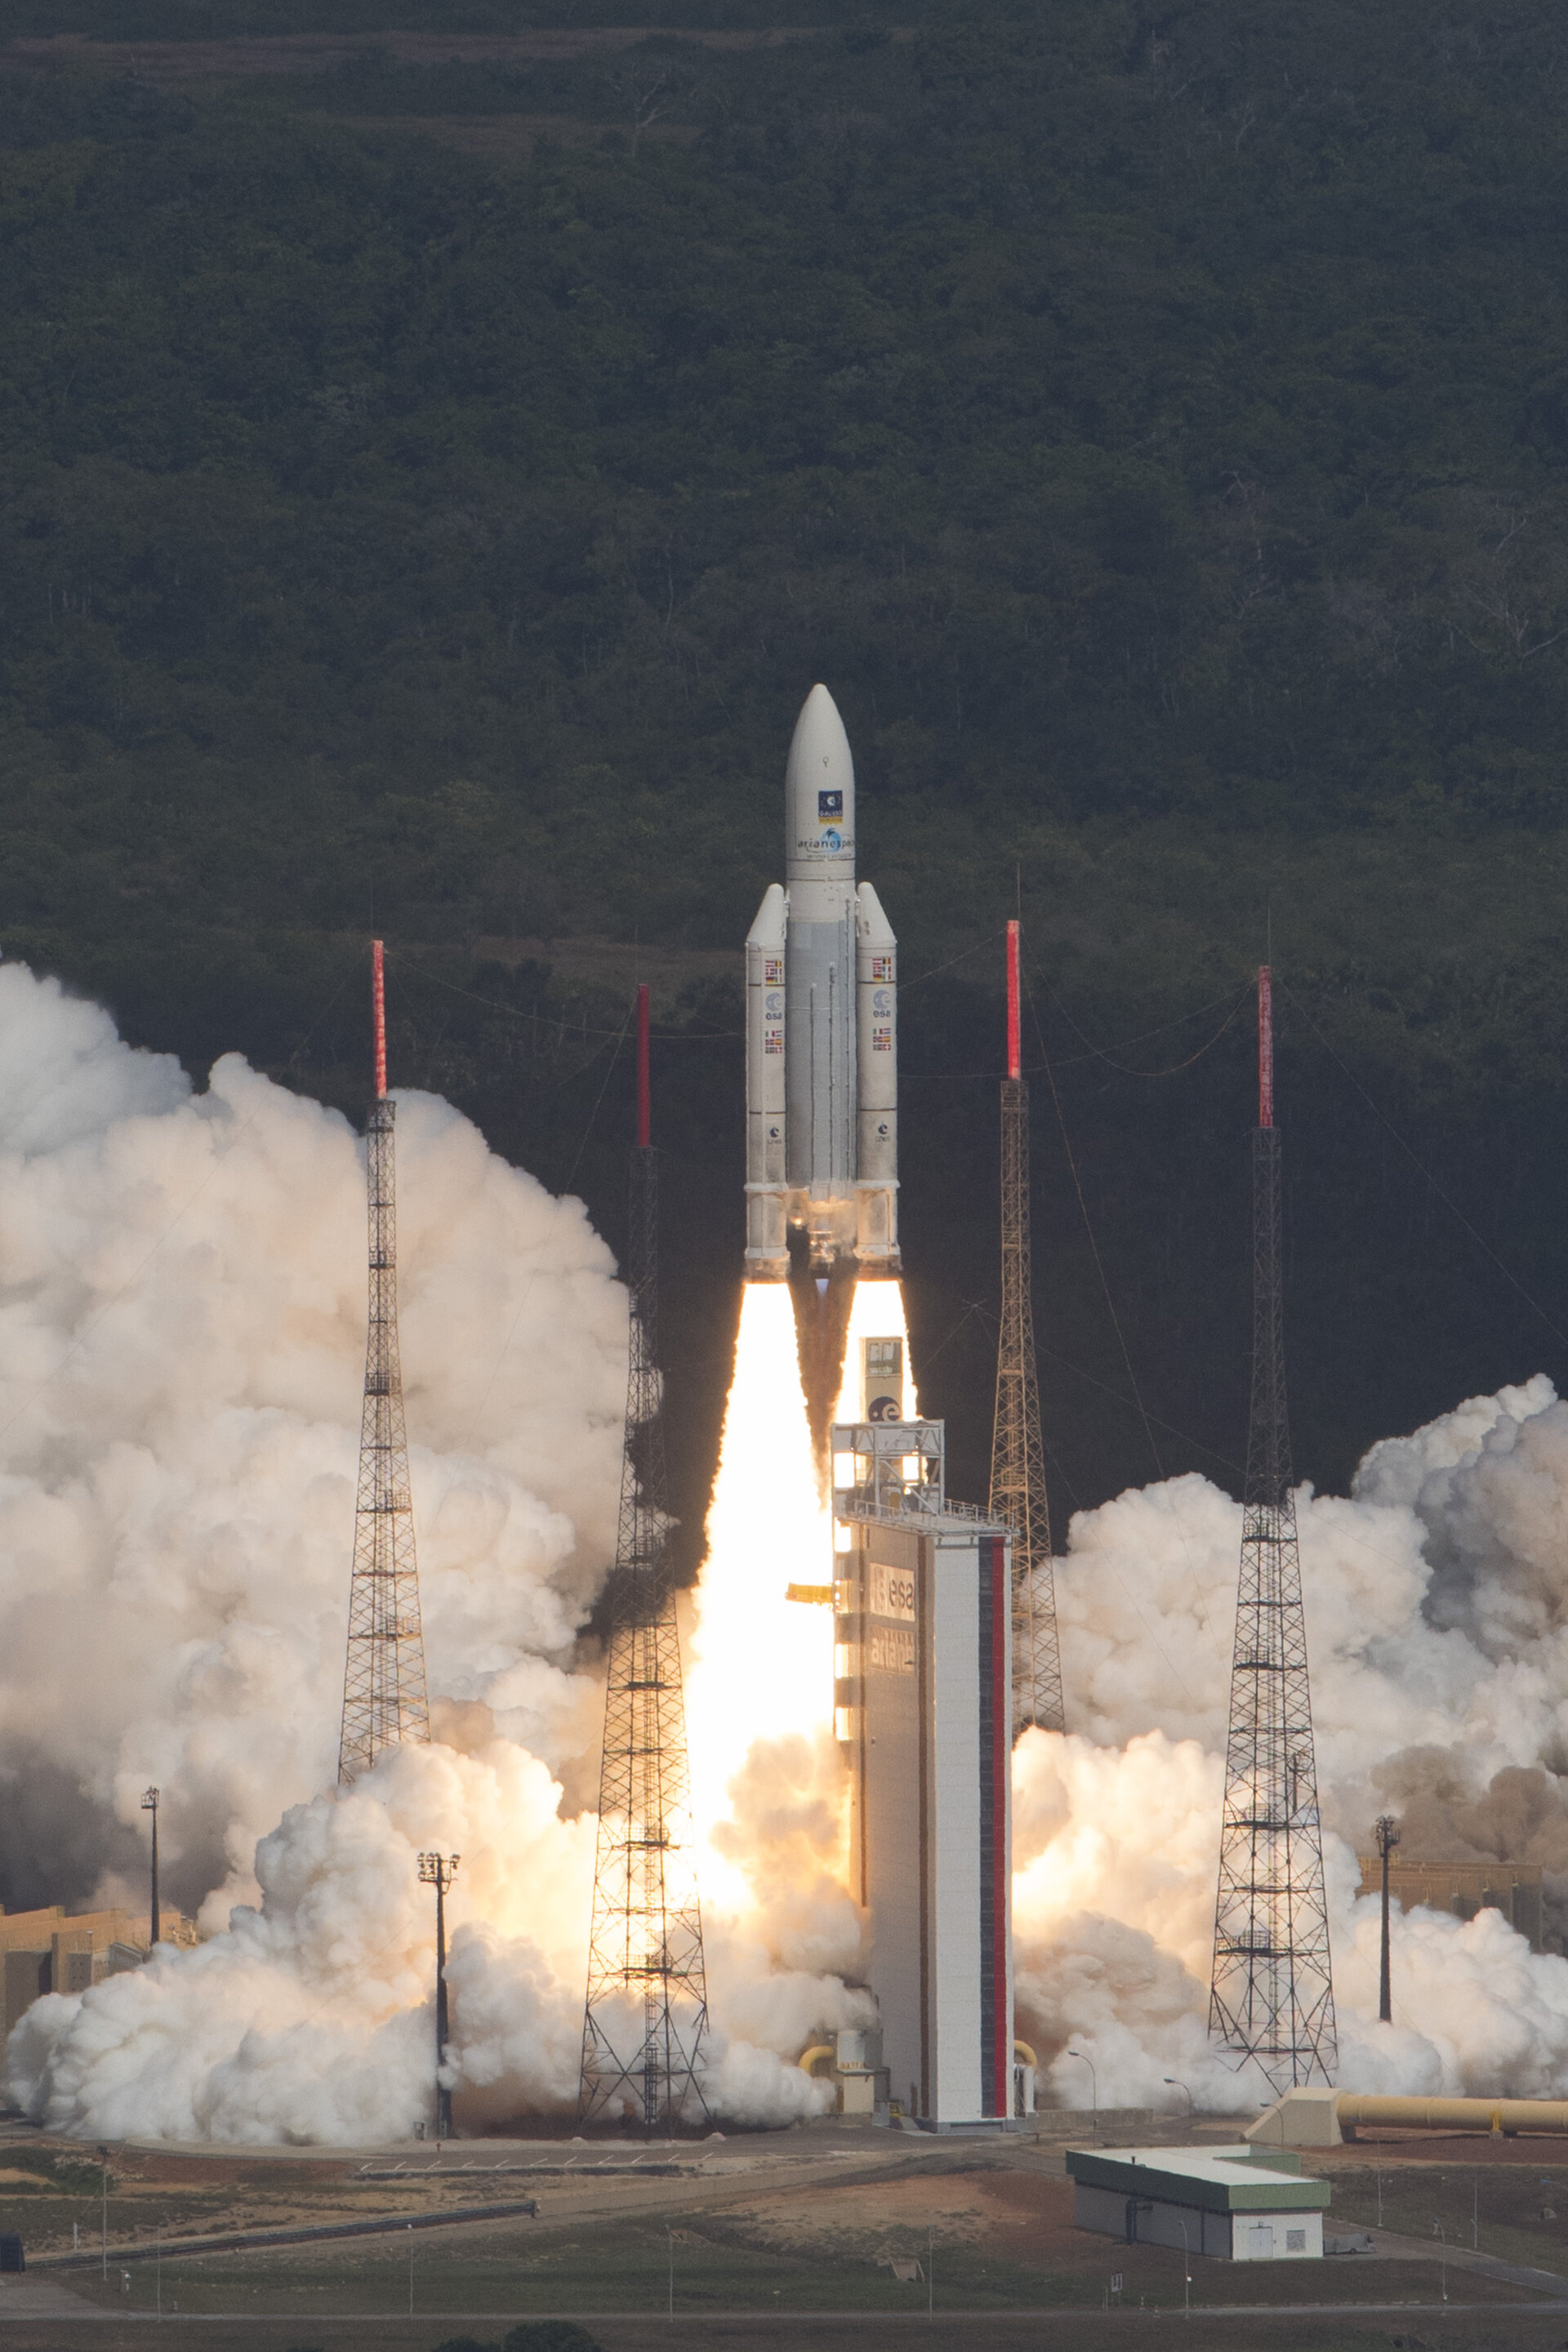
point(182, 1335)
point(1437, 1614)
point(182, 1329)
point(182, 1343)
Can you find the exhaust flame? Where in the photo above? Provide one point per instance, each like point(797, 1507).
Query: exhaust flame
point(762, 1670)
point(761, 1666)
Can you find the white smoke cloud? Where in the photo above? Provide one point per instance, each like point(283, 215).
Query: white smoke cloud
point(182, 1320)
point(182, 1342)
point(182, 1333)
point(1438, 1615)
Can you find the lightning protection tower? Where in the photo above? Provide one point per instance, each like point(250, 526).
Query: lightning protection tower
point(647, 2013)
point(384, 1679)
point(1272, 1997)
point(1017, 1459)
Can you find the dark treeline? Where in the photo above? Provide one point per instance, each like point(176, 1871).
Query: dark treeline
point(1152, 426)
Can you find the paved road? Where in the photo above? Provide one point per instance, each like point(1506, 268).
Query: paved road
point(29, 2296)
point(690, 2326)
point(1461, 2258)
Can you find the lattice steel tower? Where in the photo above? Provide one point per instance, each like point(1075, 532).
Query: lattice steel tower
point(646, 2015)
point(1017, 1459)
point(384, 1679)
point(1273, 1996)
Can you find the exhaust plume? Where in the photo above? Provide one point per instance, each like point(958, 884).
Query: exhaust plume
point(1438, 1616)
point(182, 1332)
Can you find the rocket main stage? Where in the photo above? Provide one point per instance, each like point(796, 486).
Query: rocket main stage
point(822, 1090)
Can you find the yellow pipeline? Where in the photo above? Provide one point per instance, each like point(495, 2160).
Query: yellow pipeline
point(1456, 2114)
point(809, 2059)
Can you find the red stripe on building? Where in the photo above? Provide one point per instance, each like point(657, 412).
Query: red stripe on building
point(1001, 1765)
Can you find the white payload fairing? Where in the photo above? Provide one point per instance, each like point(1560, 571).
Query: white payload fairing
point(822, 1088)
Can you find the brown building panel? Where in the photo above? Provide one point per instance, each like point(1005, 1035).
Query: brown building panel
point(1464, 1888)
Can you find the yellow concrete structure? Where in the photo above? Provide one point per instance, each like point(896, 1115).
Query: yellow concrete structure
point(52, 1950)
point(1464, 1888)
point(1319, 2118)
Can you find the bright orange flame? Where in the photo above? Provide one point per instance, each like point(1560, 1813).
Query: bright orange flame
point(761, 1666)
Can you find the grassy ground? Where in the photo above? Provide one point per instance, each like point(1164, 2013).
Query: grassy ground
point(1425, 2330)
point(1518, 2210)
point(726, 2264)
point(54, 2200)
point(781, 2255)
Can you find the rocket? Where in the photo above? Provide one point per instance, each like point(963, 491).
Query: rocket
point(822, 1088)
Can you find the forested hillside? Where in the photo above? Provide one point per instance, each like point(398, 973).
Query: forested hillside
point(432, 476)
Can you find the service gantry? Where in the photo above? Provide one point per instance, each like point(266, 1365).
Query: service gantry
point(1272, 1997)
point(1017, 1457)
point(384, 1679)
point(647, 2011)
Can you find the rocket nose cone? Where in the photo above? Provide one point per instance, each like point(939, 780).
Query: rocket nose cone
point(819, 785)
point(819, 738)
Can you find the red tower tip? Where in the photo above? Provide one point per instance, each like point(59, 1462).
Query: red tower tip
point(378, 1000)
point(1015, 1055)
point(644, 1104)
point(1265, 1047)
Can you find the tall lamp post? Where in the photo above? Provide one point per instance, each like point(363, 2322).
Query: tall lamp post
point(1093, 2087)
point(150, 1805)
point(438, 1870)
point(1387, 1839)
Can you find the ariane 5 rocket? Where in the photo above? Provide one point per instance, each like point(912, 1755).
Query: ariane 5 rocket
point(822, 1086)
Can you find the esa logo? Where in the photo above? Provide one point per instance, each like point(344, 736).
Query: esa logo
point(883, 1408)
point(829, 804)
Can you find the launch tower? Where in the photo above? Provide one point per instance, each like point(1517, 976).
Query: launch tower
point(384, 1679)
point(1017, 1459)
point(647, 2011)
point(1272, 1996)
point(922, 1701)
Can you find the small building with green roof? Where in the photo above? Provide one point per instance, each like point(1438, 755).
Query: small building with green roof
point(1243, 2204)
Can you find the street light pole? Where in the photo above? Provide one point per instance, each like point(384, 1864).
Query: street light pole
point(103, 2159)
point(1186, 2269)
point(1191, 2104)
point(1093, 2087)
point(438, 1870)
point(150, 1805)
point(1387, 1839)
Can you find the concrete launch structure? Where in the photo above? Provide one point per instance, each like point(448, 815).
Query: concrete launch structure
point(922, 1596)
point(822, 1090)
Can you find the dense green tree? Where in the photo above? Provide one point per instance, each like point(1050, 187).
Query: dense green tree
point(429, 483)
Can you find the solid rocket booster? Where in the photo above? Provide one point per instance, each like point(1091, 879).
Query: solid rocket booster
point(822, 1088)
